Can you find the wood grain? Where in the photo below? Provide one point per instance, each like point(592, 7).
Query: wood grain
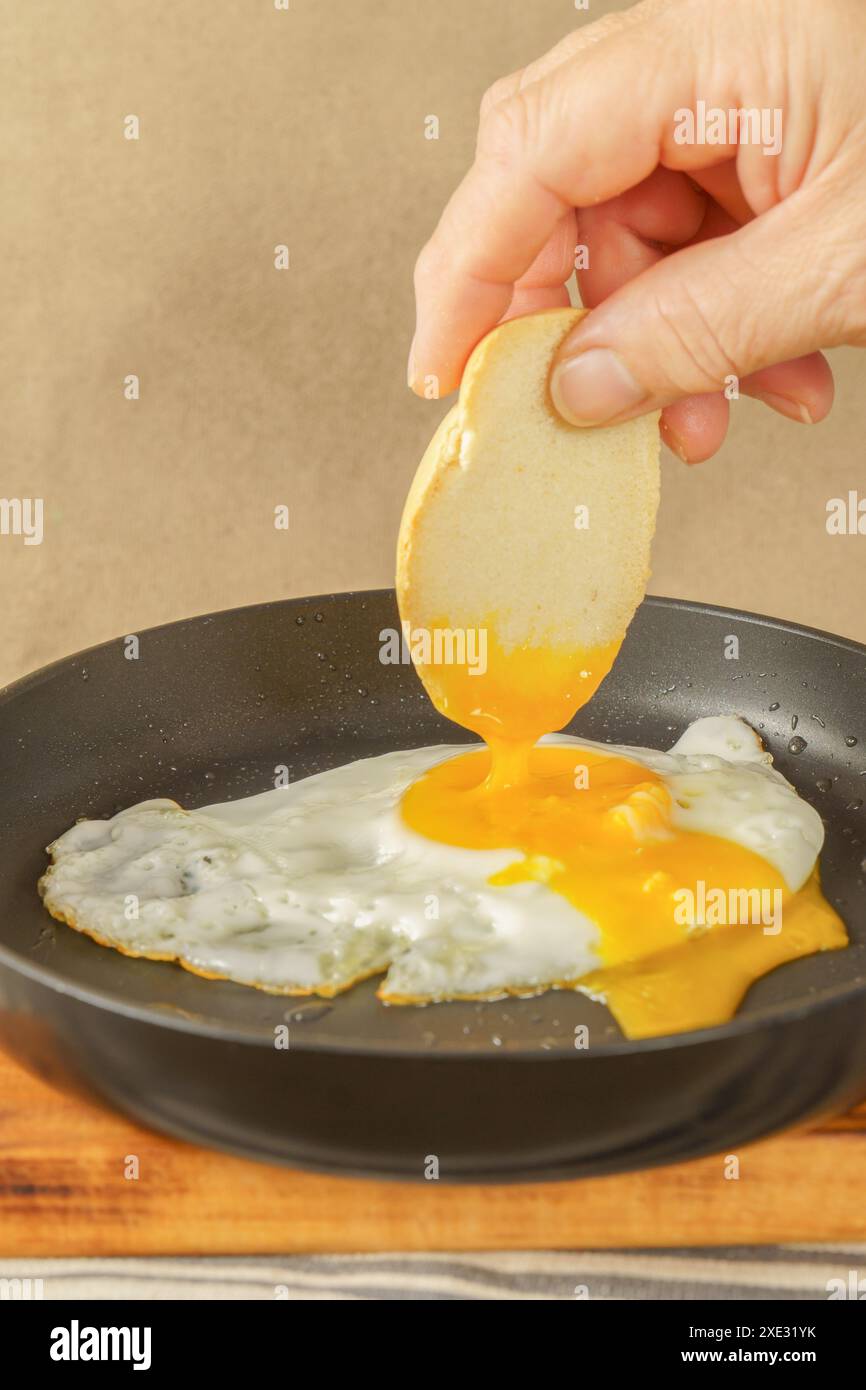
point(63, 1192)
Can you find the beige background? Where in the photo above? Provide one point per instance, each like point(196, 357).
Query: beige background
point(260, 387)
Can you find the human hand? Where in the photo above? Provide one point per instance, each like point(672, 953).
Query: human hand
point(711, 267)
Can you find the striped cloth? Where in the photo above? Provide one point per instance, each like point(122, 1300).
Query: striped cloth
point(802, 1272)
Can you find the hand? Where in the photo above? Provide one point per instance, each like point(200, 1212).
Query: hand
point(709, 265)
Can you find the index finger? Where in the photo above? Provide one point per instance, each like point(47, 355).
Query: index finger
point(585, 131)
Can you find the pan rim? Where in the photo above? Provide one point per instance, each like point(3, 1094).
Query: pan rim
point(773, 1016)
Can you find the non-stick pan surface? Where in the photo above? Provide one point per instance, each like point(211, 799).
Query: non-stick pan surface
point(495, 1091)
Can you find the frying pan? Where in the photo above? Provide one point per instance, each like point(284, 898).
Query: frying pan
point(492, 1091)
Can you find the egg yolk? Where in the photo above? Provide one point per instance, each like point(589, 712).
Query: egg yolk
point(597, 829)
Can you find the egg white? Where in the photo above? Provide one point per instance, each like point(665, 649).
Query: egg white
point(310, 887)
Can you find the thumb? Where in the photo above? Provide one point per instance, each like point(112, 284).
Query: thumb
point(714, 311)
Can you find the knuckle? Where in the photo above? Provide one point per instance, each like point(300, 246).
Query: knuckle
point(839, 293)
point(505, 132)
point(701, 350)
point(498, 91)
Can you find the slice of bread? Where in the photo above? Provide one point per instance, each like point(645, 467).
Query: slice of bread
point(519, 520)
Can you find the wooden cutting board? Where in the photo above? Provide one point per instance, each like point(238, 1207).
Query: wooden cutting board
point(63, 1191)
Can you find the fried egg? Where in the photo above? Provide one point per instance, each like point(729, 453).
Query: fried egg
point(403, 866)
point(660, 883)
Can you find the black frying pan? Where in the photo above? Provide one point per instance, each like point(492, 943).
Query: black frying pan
point(495, 1091)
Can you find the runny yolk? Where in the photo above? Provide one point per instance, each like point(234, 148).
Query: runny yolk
point(597, 829)
point(512, 697)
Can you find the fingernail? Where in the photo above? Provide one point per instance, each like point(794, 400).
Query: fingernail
point(786, 405)
point(674, 442)
point(593, 387)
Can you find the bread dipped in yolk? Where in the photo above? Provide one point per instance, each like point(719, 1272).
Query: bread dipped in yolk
point(532, 538)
